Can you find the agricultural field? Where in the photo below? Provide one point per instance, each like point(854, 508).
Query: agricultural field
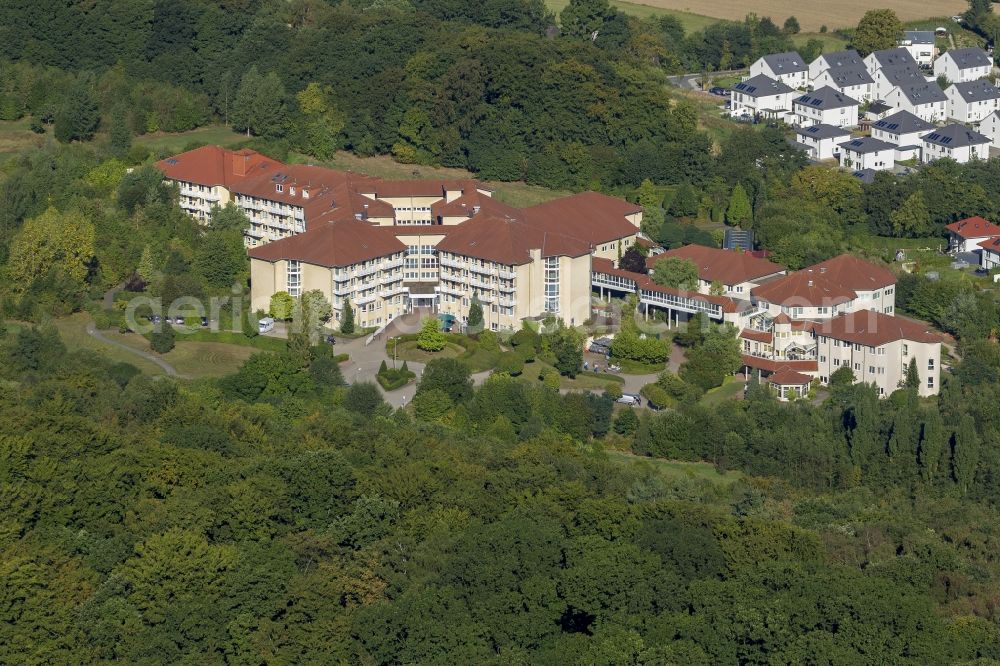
point(689, 20)
point(812, 14)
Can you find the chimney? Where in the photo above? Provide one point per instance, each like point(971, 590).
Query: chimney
point(475, 209)
point(364, 215)
point(810, 283)
point(240, 164)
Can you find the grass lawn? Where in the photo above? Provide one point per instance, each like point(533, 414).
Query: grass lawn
point(831, 42)
point(589, 381)
point(16, 135)
point(193, 358)
point(382, 166)
point(676, 469)
point(230, 338)
point(73, 331)
point(409, 351)
point(479, 360)
point(730, 388)
point(174, 143)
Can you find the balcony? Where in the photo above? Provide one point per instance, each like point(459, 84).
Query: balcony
point(507, 302)
point(393, 290)
point(446, 288)
point(365, 300)
point(486, 297)
point(506, 288)
point(361, 272)
point(481, 284)
point(393, 263)
point(505, 275)
point(451, 263)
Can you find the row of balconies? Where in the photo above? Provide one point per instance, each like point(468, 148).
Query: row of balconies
point(477, 268)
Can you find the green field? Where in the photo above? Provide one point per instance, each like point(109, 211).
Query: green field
point(676, 469)
point(174, 143)
point(15, 136)
point(730, 388)
point(831, 42)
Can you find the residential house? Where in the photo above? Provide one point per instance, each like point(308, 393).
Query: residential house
point(968, 235)
point(867, 153)
point(836, 59)
point(761, 96)
point(788, 67)
point(989, 257)
point(924, 100)
point(990, 127)
point(826, 106)
point(821, 142)
point(920, 44)
point(972, 101)
point(964, 64)
point(891, 68)
point(905, 131)
point(851, 79)
point(957, 142)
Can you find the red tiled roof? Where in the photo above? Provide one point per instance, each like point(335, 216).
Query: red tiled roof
point(782, 318)
point(853, 273)
point(772, 365)
point(470, 203)
point(335, 244)
point(991, 244)
point(729, 267)
point(871, 328)
point(804, 288)
point(601, 265)
point(508, 241)
point(212, 165)
point(590, 216)
point(759, 336)
point(785, 376)
point(973, 227)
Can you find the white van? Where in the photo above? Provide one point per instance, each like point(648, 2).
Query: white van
point(265, 325)
point(630, 399)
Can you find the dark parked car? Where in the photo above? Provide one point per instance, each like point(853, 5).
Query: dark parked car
point(204, 321)
point(719, 90)
point(332, 340)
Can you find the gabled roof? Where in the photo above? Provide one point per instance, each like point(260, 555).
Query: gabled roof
point(973, 227)
point(472, 202)
point(904, 75)
point(902, 122)
point(340, 243)
point(923, 93)
point(804, 288)
point(848, 57)
point(590, 216)
point(785, 376)
point(826, 98)
point(991, 244)
point(976, 91)
point(508, 241)
point(761, 86)
point(727, 266)
point(865, 175)
point(822, 131)
point(873, 329)
point(867, 144)
point(919, 36)
point(955, 136)
point(789, 62)
point(772, 365)
point(213, 165)
point(896, 57)
point(969, 57)
point(853, 273)
point(850, 75)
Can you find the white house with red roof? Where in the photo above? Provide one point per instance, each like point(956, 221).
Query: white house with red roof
point(968, 235)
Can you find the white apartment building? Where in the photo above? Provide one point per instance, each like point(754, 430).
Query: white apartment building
point(924, 100)
point(788, 67)
point(905, 131)
point(867, 153)
point(825, 106)
point(851, 80)
point(972, 101)
point(920, 44)
point(761, 96)
point(956, 142)
point(990, 128)
point(965, 64)
point(969, 234)
point(821, 142)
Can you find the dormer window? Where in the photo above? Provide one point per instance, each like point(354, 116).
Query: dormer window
point(291, 191)
point(305, 194)
point(278, 187)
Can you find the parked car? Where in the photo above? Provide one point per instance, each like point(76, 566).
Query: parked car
point(719, 90)
point(179, 320)
point(156, 319)
point(204, 321)
point(630, 399)
point(265, 325)
point(332, 340)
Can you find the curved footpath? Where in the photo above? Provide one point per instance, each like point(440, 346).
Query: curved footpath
point(167, 368)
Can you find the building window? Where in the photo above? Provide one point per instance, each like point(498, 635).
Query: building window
point(294, 278)
point(552, 284)
point(279, 187)
point(930, 382)
point(930, 364)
